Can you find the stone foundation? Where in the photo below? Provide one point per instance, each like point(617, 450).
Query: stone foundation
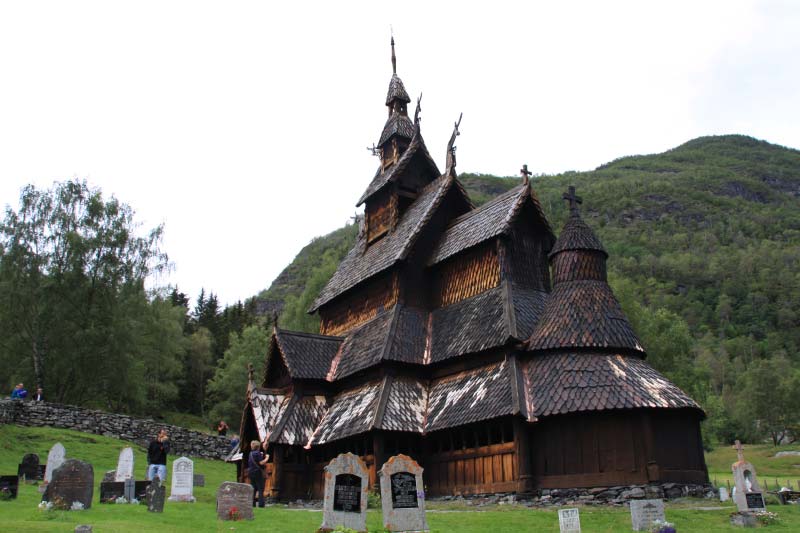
point(138, 430)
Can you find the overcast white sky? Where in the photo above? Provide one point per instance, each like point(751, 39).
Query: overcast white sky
point(242, 126)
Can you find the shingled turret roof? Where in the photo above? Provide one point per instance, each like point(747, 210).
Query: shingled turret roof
point(581, 311)
point(397, 91)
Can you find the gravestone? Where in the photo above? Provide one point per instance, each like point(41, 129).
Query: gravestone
point(345, 502)
point(29, 467)
point(130, 489)
point(402, 495)
point(9, 486)
point(645, 512)
point(111, 490)
point(72, 482)
point(235, 501)
point(569, 520)
point(199, 480)
point(182, 480)
point(83, 529)
point(124, 465)
point(747, 495)
point(55, 458)
point(155, 495)
point(723, 494)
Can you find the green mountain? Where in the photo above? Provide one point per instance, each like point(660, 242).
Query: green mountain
point(704, 244)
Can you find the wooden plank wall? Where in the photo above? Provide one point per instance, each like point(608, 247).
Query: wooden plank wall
point(347, 313)
point(527, 263)
point(381, 211)
point(466, 275)
point(472, 471)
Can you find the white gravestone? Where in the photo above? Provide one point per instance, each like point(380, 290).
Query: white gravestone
point(345, 502)
point(124, 465)
point(645, 512)
point(182, 480)
point(402, 495)
point(723, 494)
point(569, 520)
point(55, 458)
point(747, 494)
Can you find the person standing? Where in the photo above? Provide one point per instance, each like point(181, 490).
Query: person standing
point(39, 396)
point(255, 461)
point(222, 428)
point(19, 392)
point(157, 457)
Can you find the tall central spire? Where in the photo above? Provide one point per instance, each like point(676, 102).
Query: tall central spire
point(394, 58)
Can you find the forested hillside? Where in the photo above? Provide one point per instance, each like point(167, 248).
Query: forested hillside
point(704, 244)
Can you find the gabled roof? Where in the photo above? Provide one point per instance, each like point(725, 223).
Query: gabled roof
point(307, 355)
point(583, 314)
point(570, 382)
point(363, 262)
point(301, 418)
point(577, 235)
point(470, 396)
point(397, 91)
point(364, 346)
point(268, 407)
point(397, 124)
point(351, 412)
point(406, 406)
point(392, 173)
point(489, 220)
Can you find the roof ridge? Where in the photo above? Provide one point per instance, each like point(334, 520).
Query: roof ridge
point(423, 221)
point(313, 335)
point(473, 212)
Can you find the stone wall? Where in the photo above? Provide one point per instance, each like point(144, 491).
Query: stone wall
point(138, 430)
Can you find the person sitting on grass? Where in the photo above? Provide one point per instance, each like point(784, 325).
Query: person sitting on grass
point(255, 461)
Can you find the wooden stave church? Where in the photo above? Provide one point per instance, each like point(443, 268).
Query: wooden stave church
point(441, 337)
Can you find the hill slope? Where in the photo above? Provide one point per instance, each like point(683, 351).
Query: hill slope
point(704, 244)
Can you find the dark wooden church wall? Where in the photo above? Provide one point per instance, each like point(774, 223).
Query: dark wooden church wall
point(524, 253)
point(588, 450)
point(466, 275)
point(473, 459)
point(380, 213)
point(360, 306)
point(617, 448)
point(678, 447)
point(277, 375)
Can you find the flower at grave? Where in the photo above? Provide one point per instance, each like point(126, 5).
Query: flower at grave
point(120, 500)
point(76, 506)
point(234, 514)
point(134, 501)
point(766, 518)
point(662, 526)
point(45, 506)
point(5, 493)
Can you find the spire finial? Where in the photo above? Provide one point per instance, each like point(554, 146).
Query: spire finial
point(526, 174)
point(394, 58)
point(573, 199)
point(451, 149)
point(417, 110)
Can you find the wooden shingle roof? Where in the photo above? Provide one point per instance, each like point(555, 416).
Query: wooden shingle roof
point(363, 262)
point(397, 91)
point(489, 220)
point(577, 235)
point(397, 124)
point(573, 382)
point(384, 176)
point(307, 356)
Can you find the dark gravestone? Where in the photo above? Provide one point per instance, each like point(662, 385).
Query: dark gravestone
point(72, 482)
point(755, 500)
point(29, 467)
point(199, 480)
point(155, 494)
point(9, 485)
point(111, 490)
point(404, 490)
point(235, 501)
point(347, 493)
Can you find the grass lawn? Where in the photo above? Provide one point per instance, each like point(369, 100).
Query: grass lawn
point(22, 514)
point(768, 467)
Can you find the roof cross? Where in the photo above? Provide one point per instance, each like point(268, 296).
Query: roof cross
point(572, 198)
point(526, 174)
point(739, 451)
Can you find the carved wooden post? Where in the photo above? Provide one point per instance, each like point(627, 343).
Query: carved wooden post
point(522, 452)
point(379, 455)
point(277, 469)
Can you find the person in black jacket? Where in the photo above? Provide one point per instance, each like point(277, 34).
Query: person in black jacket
point(157, 457)
point(255, 460)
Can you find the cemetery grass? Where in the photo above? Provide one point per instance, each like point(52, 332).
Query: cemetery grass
point(762, 456)
point(22, 514)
